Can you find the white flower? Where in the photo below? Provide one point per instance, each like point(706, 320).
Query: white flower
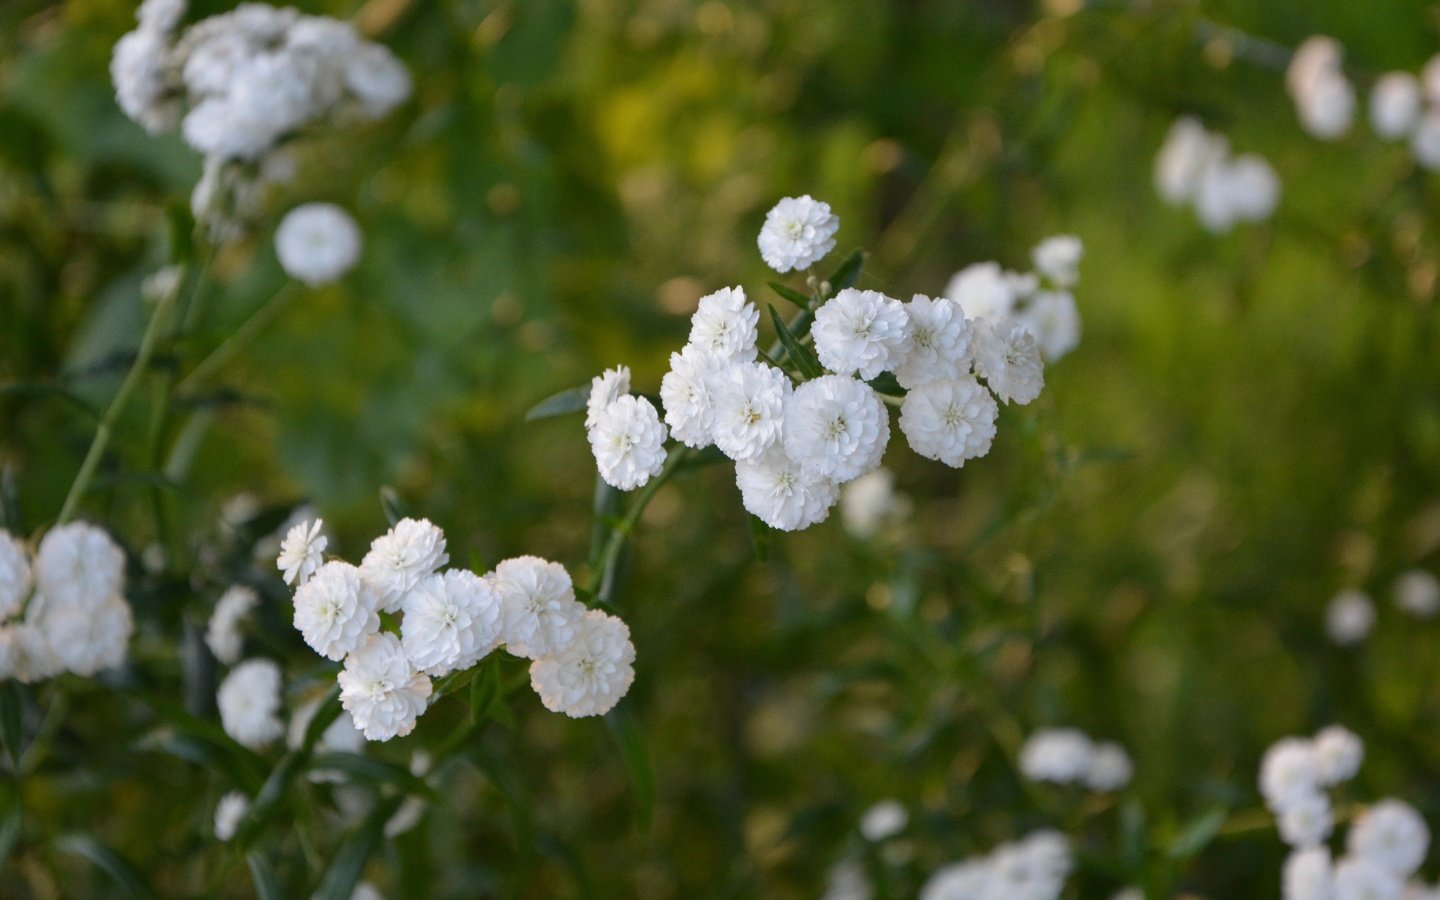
point(883, 820)
point(776, 490)
point(1356, 878)
point(364, 890)
point(869, 501)
point(1349, 618)
point(538, 605)
point(249, 701)
point(336, 610)
point(1289, 772)
point(971, 879)
point(749, 402)
point(1110, 768)
point(1417, 592)
point(15, 578)
point(1394, 104)
point(1183, 159)
point(605, 389)
point(836, 427)
point(78, 565)
point(1033, 867)
point(1307, 821)
point(1054, 319)
point(160, 15)
point(10, 651)
point(222, 635)
point(1308, 875)
point(1430, 78)
point(847, 881)
point(983, 290)
point(1058, 259)
point(726, 324)
point(1392, 835)
point(685, 393)
point(381, 689)
point(317, 243)
point(400, 557)
point(451, 621)
point(139, 71)
point(1323, 96)
point(228, 813)
point(1008, 358)
point(1338, 753)
point(861, 333)
point(628, 442)
point(302, 552)
point(949, 421)
point(590, 674)
point(89, 639)
point(939, 347)
point(1244, 188)
point(1425, 142)
point(377, 79)
point(1059, 755)
point(798, 232)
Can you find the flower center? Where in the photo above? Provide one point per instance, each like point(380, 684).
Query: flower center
point(835, 428)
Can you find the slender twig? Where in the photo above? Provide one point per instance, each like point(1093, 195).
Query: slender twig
point(240, 337)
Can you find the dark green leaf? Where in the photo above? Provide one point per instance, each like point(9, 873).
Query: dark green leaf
point(369, 770)
point(10, 823)
point(794, 351)
point(12, 702)
point(125, 876)
point(266, 806)
point(262, 876)
point(1195, 836)
point(510, 788)
point(394, 507)
point(886, 383)
point(848, 273)
point(326, 713)
point(349, 862)
point(485, 688)
point(637, 764)
point(759, 538)
point(571, 400)
point(33, 389)
point(206, 754)
point(790, 294)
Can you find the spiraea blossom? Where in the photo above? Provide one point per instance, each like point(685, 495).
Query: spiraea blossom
point(538, 606)
point(861, 333)
point(590, 673)
point(836, 427)
point(725, 324)
point(605, 389)
point(798, 232)
point(15, 576)
point(336, 610)
point(222, 634)
point(949, 421)
point(1008, 358)
point(400, 557)
point(685, 394)
point(451, 621)
point(317, 243)
point(249, 702)
point(749, 402)
point(382, 690)
point(228, 813)
point(628, 442)
point(777, 491)
point(302, 552)
point(939, 347)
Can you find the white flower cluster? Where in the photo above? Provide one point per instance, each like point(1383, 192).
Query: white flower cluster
point(1405, 107)
point(62, 610)
point(317, 243)
point(1349, 617)
point(1040, 302)
point(581, 659)
point(1384, 847)
point(1035, 868)
point(1195, 168)
point(1068, 756)
point(1324, 97)
point(794, 441)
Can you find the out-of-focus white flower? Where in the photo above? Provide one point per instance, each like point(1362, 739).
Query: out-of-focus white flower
point(1307, 875)
point(685, 394)
point(1054, 319)
point(1128, 893)
point(89, 639)
point(869, 501)
point(302, 552)
point(749, 401)
point(1338, 754)
point(249, 701)
point(1035, 866)
point(605, 389)
point(1392, 835)
point(983, 290)
point(836, 427)
point(949, 421)
point(1307, 821)
point(78, 565)
point(861, 333)
point(1425, 142)
point(939, 347)
point(222, 635)
point(400, 557)
point(142, 79)
point(1240, 189)
point(1058, 259)
point(883, 820)
point(336, 609)
point(228, 813)
point(1289, 773)
point(1349, 617)
point(1110, 768)
point(777, 491)
point(364, 890)
point(160, 15)
point(1358, 878)
point(340, 736)
point(1323, 96)
point(1059, 755)
point(1184, 157)
point(451, 621)
point(590, 674)
point(1417, 592)
point(1394, 104)
point(381, 690)
point(317, 243)
point(15, 577)
point(847, 881)
point(971, 879)
point(1008, 358)
point(377, 79)
point(628, 442)
point(538, 605)
point(726, 325)
point(797, 233)
point(33, 656)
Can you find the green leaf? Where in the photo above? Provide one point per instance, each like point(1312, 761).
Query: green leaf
point(1199, 833)
point(35, 389)
point(509, 787)
point(637, 764)
point(120, 871)
point(206, 754)
point(266, 806)
point(10, 824)
point(790, 294)
point(326, 713)
point(394, 507)
point(12, 701)
point(1132, 833)
point(759, 538)
point(848, 273)
point(794, 351)
point(262, 876)
point(484, 689)
point(349, 862)
point(369, 770)
point(571, 400)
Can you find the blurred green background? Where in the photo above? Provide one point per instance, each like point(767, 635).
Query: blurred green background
point(1250, 423)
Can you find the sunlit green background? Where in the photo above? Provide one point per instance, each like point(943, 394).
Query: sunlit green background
point(1250, 423)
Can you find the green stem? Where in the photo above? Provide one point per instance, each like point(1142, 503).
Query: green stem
point(117, 406)
point(602, 580)
point(240, 337)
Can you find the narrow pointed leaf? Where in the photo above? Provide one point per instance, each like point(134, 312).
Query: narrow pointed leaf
point(794, 351)
point(571, 400)
point(848, 273)
point(790, 294)
point(119, 870)
point(637, 764)
point(349, 862)
point(1199, 833)
point(262, 876)
point(11, 704)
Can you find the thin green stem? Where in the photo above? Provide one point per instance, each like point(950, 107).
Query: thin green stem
point(602, 579)
point(117, 406)
point(240, 337)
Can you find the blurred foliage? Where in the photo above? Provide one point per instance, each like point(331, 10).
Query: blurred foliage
point(1251, 422)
